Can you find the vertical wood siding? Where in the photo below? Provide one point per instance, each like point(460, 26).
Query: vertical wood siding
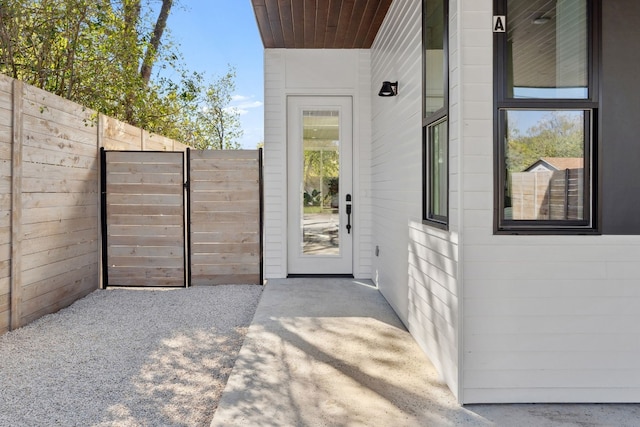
point(49, 199)
point(417, 266)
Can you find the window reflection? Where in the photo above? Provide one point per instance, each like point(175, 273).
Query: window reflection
point(434, 56)
point(439, 169)
point(547, 49)
point(545, 163)
point(320, 186)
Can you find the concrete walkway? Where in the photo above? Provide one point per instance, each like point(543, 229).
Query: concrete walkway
point(331, 352)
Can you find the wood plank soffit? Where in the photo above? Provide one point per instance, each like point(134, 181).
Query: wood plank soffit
point(319, 24)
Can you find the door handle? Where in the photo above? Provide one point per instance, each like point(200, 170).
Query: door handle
point(348, 213)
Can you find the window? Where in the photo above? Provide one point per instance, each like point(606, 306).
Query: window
point(435, 111)
point(546, 110)
point(437, 156)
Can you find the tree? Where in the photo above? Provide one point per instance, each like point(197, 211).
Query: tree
point(215, 124)
point(101, 54)
point(135, 34)
point(558, 134)
point(321, 167)
point(154, 45)
point(54, 44)
point(88, 51)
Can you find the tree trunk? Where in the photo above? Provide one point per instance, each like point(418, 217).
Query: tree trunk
point(154, 44)
point(7, 43)
point(131, 17)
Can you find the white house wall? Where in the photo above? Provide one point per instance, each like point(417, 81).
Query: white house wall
point(546, 319)
point(503, 318)
point(309, 73)
point(417, 266)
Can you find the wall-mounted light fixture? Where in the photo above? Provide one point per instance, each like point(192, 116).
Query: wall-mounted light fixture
point(388, 89)
point(541, 20)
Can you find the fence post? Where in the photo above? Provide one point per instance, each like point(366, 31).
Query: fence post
point(261, 202)
point(566, 193)
point(100, 149)
point(187, 218)
point(16, 205)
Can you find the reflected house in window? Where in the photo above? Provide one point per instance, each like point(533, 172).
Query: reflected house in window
point(549, 189)
point(552, 164)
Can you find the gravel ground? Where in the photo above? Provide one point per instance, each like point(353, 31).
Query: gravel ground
point(124, 357)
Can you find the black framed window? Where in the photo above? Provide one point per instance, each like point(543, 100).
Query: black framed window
point(546, 116)
point(435, 109)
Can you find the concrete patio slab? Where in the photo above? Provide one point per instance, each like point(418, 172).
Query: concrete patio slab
point(331, 352)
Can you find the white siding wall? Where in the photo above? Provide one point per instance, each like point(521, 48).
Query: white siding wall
point(309, 73)
point(546, 319)
point(275, 165)
point(417, 267)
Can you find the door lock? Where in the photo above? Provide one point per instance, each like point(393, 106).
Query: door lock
point(348, 199)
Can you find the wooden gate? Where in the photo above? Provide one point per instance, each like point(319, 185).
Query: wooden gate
point(143, 225)
point(224, 207)
point(154, 233)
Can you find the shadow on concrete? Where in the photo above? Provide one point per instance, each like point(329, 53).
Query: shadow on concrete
point(331, 352)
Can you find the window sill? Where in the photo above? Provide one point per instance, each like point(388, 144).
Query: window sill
point(546, 231)
point(436, 224)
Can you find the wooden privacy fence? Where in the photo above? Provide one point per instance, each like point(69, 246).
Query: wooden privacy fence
point(548, 195)
point(157, 234)
point(50, 199)
point(49, 196)
point(50, 202)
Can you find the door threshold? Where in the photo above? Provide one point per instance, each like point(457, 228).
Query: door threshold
point(320, 276)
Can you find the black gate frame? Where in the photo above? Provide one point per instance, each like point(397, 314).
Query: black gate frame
point(186, 217)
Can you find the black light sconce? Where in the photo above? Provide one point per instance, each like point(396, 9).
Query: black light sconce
point(388, 89)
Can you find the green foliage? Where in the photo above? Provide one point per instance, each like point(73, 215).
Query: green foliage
point(555, 135)
point(100, 53)
point(333, 185)
point(76, 49)
point(322, 162)
point(319, 163)
point(320, 171)
point(312, 198)
point(212, 124)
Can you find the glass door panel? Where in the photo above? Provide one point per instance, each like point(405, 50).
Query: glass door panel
point(320, 205)
point(321, 180)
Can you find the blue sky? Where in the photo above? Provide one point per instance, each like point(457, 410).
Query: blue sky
point(213, 34)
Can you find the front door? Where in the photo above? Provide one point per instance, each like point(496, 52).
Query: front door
point(320, 197)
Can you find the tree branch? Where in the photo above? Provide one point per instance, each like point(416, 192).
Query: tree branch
point(154, 44)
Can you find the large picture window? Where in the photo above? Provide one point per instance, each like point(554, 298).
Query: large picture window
point(435, 112)
point(546, 110)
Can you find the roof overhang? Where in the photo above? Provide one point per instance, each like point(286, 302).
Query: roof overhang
point(319, 24)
